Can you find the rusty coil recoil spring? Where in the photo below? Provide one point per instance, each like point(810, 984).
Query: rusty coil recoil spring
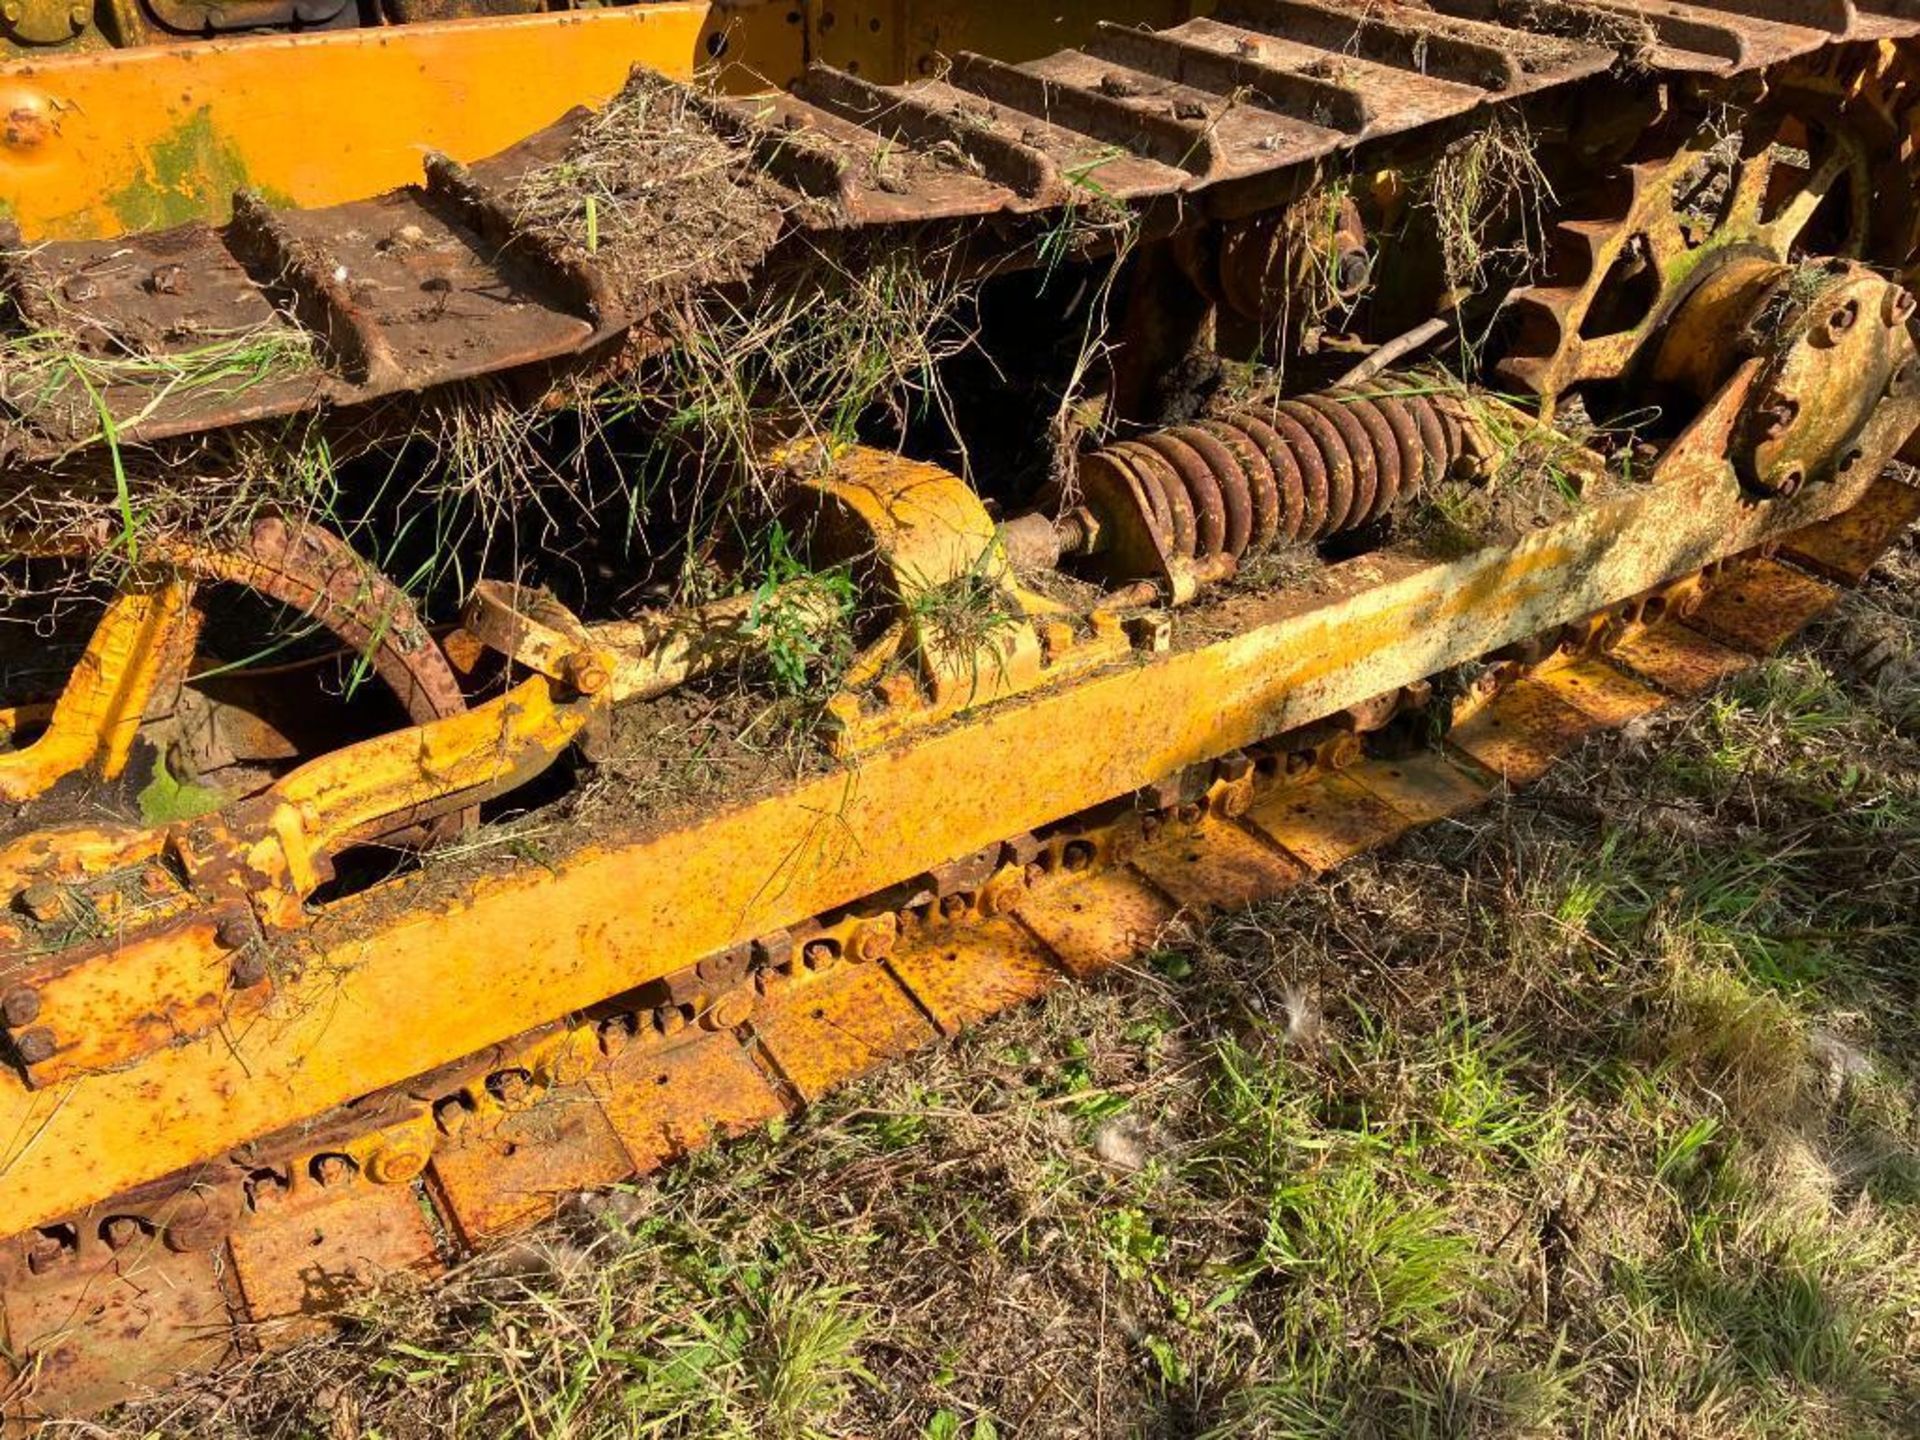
point(1200, 496)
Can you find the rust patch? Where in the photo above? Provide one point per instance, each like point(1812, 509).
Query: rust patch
point(505, 1176)
point(312, 1254)
point(1522, 732)
point(1762, 607)
point(88, 1342)
point(1679, 660)
point(664, 1102)
point(1423, 787)
point(1601, 691)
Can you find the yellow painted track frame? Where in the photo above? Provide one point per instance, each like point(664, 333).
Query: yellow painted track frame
point(99, 143)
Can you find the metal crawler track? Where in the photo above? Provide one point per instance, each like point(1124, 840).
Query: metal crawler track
point(441, 281)
point(252, 1251)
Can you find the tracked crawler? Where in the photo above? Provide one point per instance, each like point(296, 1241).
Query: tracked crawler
point(340, 939)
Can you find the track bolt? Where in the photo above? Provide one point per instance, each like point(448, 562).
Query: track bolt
point(730, 1010)
point(616, 1033)
point(1899, 305)
point(80, 289)
point(512, 1088)
point(819, 954)
point(1078, 855)
point(48, 1248)
point(1189, 814)
point(233, 933)
point(451, 1114)
point(1840, 319)
point(1003, 893)
point(249, 968)
point(669, 1020)
point(35, 1045)
point(397, 1163)
point(120, 1231)
point(20, 1006)
point(194, 1232)
point(331, 1170)
point(1036, 872)
point(1151, 825)
point(952, 907)
point(874, 939)
point(43, 902)
point(264, 1190)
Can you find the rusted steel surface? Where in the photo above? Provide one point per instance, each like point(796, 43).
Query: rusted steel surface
point(296, 1225)
point(438, 281)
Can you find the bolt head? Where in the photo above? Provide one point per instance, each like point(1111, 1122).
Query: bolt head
point(43, 902)
point(874, 940)
point(121, 1231)
point(249, 969)
point(730, 1010)
point(615, 1035)
point(510, 1087)
point(332, 1169)
point(397, 1163)
point(20, 1006)
point(35, 1046)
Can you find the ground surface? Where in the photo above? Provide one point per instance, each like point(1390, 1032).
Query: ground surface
point(1597, 1113)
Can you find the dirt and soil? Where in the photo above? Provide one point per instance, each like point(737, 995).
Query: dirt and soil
point(1597, 1112)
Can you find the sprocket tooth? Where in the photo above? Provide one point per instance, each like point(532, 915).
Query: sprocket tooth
point(1534, 372)
point(1546, 303)
point(1588, 237)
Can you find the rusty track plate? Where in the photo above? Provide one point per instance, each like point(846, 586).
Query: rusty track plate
point(962, 974)
point(827, 1028)
point(665, 1101)
point(1326, 822)
point(1763, 607)
point(409, 290)
point(301, 1261)
point(1217, 866)
point(511, 1172)
point(1094, 923)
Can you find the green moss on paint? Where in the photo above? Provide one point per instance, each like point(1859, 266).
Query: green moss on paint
point(189, 174)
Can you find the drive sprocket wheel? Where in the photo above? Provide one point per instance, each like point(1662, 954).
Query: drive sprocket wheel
point(1794, 178)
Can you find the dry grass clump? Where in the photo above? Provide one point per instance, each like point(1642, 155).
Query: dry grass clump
point(1488, 198)
point(653, 193)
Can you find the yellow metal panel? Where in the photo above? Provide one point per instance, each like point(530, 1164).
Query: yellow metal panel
point(100, 143)
point(411, 974)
